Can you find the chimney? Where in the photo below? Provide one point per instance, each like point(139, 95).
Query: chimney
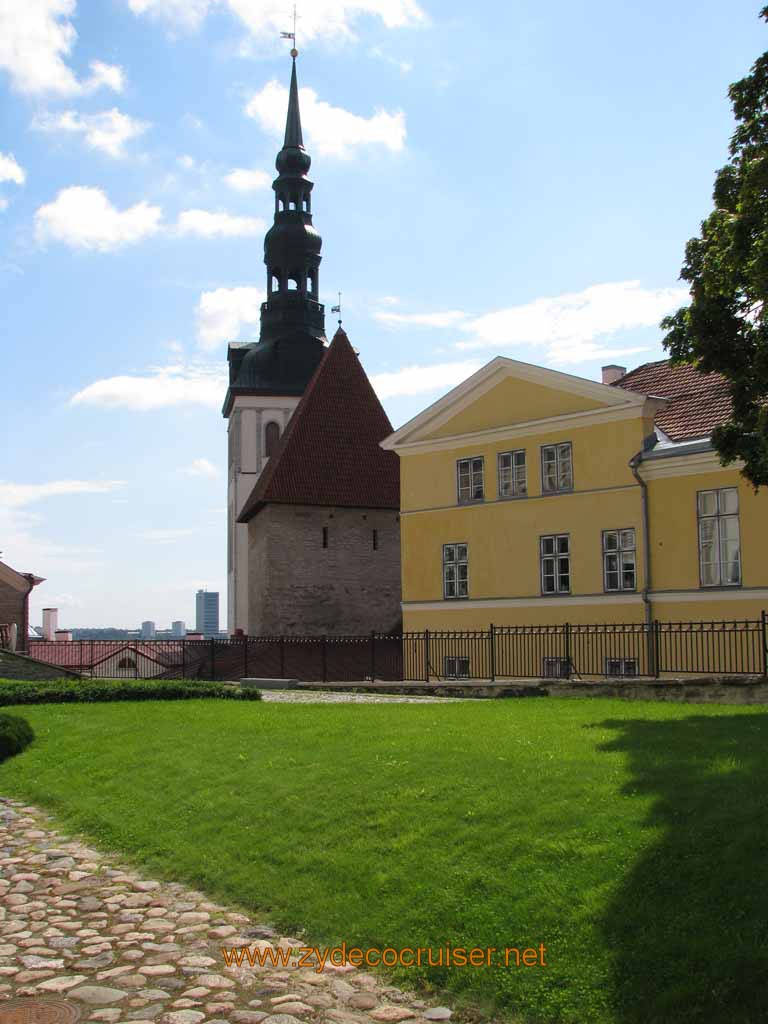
point(613, 373)
point(50, 622)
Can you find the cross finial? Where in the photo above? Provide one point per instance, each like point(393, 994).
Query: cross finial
point(292, 35)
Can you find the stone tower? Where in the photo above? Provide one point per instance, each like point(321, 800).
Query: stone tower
point(267, 378)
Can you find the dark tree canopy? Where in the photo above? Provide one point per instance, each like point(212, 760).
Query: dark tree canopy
point(725, 328)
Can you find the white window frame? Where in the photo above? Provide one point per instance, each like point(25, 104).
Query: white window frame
point(624, 667)
point(517, 471)
point(554, 549)
point(555, 668)
point(469, 472)
point(455, 666)
point(717, 513)
point(560, 456)
point(456, 557)
point(625, 553)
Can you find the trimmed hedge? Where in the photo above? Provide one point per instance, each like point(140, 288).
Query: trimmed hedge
point(68, 691)
point(15, 734)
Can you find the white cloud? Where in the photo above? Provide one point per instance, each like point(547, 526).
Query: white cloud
point(448, 318)
point(223, 313)
point(19, 495)
point(4, 204)
point(201, 468)
point(327, 19)
point(187, 162)
point(159, 387)
point(36, 38)
point(83, 217)
point(108, 130)
point(164, 536)
point(573, 320)
point(243, 180)
point(111, 76)
point(416, 380)
point(205, 224)
point(329, 130)
point(572, 328)
point(10, 170)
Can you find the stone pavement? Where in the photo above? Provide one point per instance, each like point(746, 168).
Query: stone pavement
point(328, 697)
point(76, 926)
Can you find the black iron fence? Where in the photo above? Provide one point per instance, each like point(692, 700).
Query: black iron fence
point(657, 649)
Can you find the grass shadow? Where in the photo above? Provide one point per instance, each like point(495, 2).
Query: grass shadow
point(689, 925)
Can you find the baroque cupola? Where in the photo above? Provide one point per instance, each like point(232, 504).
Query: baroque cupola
point(292, 336)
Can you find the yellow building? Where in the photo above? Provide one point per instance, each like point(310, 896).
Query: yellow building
point(533, 497)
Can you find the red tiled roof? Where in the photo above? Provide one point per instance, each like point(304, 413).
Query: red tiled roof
point(329, 453)
point(698, 401)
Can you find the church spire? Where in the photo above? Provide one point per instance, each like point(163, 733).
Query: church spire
point(293, 121)
point(292, 245)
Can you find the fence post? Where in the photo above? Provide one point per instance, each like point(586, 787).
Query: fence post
point(183, 658)
point(325, 660)
point(764, 619)
point(426, 655)
point(245, 657)
point(282, 657)
point(492, 639)
point(567, 633)
point(373, 655)
point(213, 658)
point(656, 649)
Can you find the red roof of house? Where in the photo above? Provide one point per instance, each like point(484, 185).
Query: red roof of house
point(329, 453)
point(698, 401)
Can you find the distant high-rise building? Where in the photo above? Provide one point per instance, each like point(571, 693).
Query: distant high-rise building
point(148, 630)
point(207, 612)
point(179, 628)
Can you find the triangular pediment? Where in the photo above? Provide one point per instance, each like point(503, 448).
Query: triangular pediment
point(510, 394)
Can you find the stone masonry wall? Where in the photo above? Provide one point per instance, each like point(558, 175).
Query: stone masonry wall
point(14, 666)
point(297, 586)
point(13, 609)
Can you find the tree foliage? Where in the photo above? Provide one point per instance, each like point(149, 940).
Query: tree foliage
point(725, 327)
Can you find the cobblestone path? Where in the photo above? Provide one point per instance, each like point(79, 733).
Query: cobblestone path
point(77, 926)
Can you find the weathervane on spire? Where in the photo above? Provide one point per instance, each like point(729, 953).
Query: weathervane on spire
point(292, 35)
point(337, 309)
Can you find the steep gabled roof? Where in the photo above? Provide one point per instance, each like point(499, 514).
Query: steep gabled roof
point(698, 401)
point(329, 453)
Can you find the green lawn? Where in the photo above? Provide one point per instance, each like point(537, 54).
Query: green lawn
point(631, 839)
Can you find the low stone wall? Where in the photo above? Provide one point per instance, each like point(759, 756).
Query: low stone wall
point(18, 666)
point(694, 690)
point(697, 690)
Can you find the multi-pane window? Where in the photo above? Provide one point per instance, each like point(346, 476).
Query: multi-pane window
point(469, 476)
point(719, 545)
point(455, 577)
point(513, 479)
point(619, 561)
point(556, 564)
point(557, 467)
point(556, 668)
point(455, 667)
point(621, 667)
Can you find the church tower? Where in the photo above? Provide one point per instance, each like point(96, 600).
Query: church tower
point(267, 378)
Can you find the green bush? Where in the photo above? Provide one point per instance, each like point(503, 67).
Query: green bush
point(66, 691)
point(15, 735)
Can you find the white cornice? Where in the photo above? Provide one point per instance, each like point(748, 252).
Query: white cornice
point(685, 465)
point(550, 424)
point(574, 600)
point(498, 369)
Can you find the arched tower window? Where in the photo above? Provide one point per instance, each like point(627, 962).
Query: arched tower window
point(274, 281)
point(271, 437)
point(293, 283)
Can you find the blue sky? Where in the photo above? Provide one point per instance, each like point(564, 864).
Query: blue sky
point(509, 178)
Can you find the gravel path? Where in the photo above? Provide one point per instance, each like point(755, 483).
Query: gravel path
point(77, 926)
